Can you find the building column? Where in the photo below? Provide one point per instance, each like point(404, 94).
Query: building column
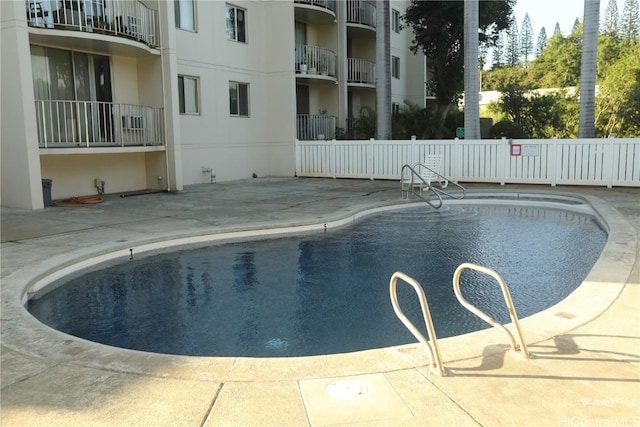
point(21, 179)
point(170, 96)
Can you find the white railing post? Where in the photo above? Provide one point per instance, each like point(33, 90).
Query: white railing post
point(609, 154)
point(415, 155)
point(551, 161)
point(503, 156)
point(557, 163)
point(334, 159)
point(297, 156)
point(456, 161)
point(370, 159)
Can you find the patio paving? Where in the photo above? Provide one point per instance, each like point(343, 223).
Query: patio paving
point(585, 370)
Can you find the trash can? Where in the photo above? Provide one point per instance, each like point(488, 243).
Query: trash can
point(46, 191)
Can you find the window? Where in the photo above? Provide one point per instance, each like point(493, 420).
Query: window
point(78, 88)
point(395, 20)
point(239, 99)
point(188, 95)
point(395, 67)
point(185, 11)
point(395, 108)
point(236, 20)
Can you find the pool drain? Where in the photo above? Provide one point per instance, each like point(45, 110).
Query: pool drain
point(347, 389)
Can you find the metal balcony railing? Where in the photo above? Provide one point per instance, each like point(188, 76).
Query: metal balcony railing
point(361, 12)
point(315, 127)
point(97, 124)
point(315, 60)
point(361, 71)
point(327, 4)
point(128, 19)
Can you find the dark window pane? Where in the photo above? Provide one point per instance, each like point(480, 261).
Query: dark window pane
point(233, 98)
point(243, 98)
point(240, 25)
point(181, 93)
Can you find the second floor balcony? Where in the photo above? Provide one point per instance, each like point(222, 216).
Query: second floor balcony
point(361, 71)
point(128, 19)
point(92, 124)
point(315, 61)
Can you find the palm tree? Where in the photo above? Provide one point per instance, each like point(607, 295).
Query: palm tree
point(471, 72)
point(383, 71)
point(586, 126)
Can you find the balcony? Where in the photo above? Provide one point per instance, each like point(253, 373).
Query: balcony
point(131, 20)
point(315, 11)
point(94, 124)
point(361, 72)
point(314, 61)
point(361, 13)
point(311, 127)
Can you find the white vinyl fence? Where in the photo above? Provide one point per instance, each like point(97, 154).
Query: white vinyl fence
point(609, 162)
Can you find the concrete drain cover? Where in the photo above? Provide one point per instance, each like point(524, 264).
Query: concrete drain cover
point(347, 389)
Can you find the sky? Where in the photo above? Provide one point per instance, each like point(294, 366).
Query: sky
point(545, 13)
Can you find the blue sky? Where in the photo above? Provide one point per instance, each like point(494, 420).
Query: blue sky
point(545, 13)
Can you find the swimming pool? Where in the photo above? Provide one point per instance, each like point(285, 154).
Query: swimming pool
point(285, 296)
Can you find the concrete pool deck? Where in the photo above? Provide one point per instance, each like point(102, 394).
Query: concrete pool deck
point(585, 369)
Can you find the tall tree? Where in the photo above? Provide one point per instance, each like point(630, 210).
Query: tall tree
point(618, 99)
point(526, 39)
point(498, 51)
point(611, 24)
point(383, 71)
point(586, 127)
point(438, 29)
point(630, 20)
point(542, 41)
point(512, 50)
point(471, 71)
point(576, 25)
point(556, 30)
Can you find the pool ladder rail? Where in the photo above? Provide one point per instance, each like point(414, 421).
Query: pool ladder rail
point(417, 180)
point(431, 346)
point(435, 361)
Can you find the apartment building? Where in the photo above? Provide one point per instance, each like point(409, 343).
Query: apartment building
point(120, 96)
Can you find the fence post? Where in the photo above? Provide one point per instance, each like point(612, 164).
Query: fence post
point(370, 156)
point(456, 161)
point(415, 155)
point(334, 160)
point(610, 152)
point(297, 161)
point(504, 156)
point(555, 161)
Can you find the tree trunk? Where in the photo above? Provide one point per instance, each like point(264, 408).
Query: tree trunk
point(471, 72)
point(383, 71)
point(586, 127)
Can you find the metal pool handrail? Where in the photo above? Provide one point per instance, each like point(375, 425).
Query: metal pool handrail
point(431, 346)
point(423, 182)
point(520, 348)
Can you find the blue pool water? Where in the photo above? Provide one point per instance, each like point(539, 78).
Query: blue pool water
point(328, 292)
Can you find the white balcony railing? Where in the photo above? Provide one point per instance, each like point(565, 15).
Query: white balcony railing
point(129, 19)
point(326, 4)
point(97, 124)
point(315, 60)
point(361, 12)
point(315, 127)
point(361, 71)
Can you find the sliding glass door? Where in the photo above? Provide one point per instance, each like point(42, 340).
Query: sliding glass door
point(73, 95)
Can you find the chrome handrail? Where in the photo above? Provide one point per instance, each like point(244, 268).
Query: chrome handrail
point(520, 348)
point(422, 183)
point(435, 363)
